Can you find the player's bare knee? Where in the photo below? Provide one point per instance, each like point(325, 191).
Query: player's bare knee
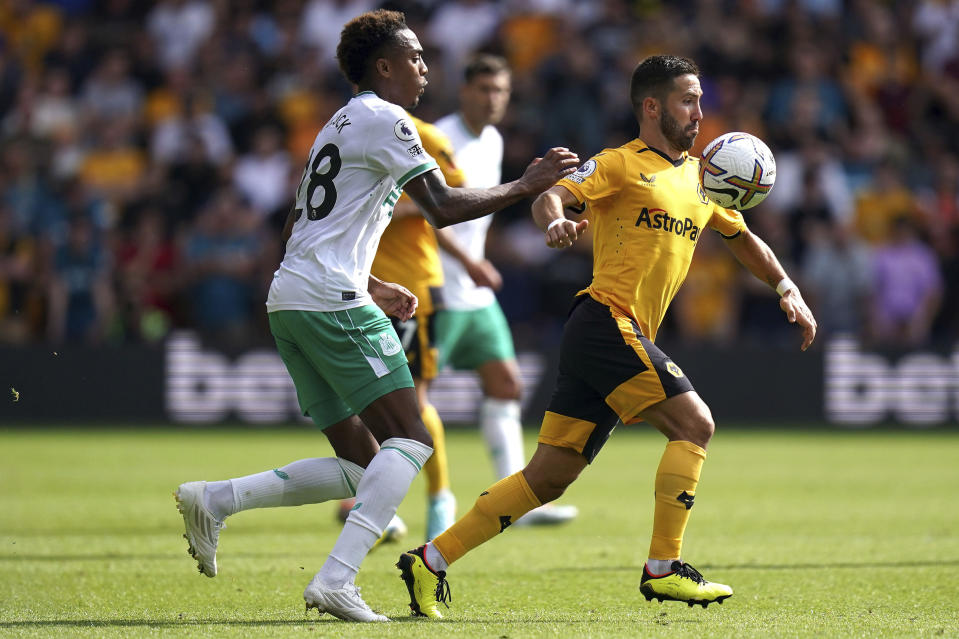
point(703, 430)
point(505, 388)
point(551, 470)
point(550, 486)
point(501, 380)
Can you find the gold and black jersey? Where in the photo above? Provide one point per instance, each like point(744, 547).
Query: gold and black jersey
point(646, 214)
point(408, 254)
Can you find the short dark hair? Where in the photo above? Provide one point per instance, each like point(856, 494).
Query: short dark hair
point(484, 64)
point(654, 76)
point(364, 37)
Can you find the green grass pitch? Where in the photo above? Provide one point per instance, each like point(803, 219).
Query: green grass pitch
point(820, 533)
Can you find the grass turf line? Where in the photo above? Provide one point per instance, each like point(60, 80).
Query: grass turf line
point(821, 534)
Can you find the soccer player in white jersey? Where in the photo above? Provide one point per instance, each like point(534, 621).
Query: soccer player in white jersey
point(472, 332)
point(328, 315)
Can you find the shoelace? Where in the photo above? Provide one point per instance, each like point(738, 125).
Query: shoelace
point(356, 591)
point(443, 590)
point(691, 573)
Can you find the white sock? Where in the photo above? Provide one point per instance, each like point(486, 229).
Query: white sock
point(659, 566)
point(306, 481)
point(501, 428)
point(385, 482)
point(218, 499)
point(433, 557)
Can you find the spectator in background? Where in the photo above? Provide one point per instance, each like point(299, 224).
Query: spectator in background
point(31, 29)
point(179, 28)
point(705, 309)
point(936, 22)
point(460, 27)
point(907, 287)
point(55, 110)
point(837, 276)
point(173, 136)
point(940, 204)
point(263, 175)
point(27, 190)
point(17, 275)
point(147, 272)
point(79, 296)
point(111, 93)
point(807, 102)
point(190, 182)
point(221, 256)
point(570, 81)
point(879, 206)
point(322, 21)
point(809, 210)
point(812, 161)
point(115, 167)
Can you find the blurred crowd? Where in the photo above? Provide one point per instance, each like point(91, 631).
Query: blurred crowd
point(149, 152)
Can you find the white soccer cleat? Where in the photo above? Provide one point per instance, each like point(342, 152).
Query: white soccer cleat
point(343, 603)
point(548, 515)
point(202, 528)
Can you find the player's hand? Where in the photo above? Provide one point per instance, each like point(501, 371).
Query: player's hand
point(394, 299)
point(797, 312)
point(563, 235)
point(483, 273)
point(546, 171)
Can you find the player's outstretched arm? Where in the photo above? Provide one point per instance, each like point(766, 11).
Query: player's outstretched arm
point(392, 298)
point(443, 205)
point(756, 256)
point(548, 215)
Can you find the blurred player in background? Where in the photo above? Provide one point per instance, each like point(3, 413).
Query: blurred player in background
point(648, 210)
point(328, 313)
point(408, 255)
point(472, 331)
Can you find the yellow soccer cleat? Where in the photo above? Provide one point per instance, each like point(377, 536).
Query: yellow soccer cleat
point(684, 583)
point(427, 588)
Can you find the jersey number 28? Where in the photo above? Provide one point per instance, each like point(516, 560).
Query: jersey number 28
point(316, 179)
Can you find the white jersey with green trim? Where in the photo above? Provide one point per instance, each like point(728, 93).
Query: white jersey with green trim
point(481, 159)
point(358, 165)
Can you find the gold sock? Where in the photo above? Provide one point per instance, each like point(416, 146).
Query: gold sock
point(436, 467)
point(676, 480)
point(495, 509)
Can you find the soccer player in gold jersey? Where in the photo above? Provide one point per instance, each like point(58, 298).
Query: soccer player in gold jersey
point(408, 255)
point(647, 210)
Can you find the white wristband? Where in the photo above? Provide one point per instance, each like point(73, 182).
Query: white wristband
point(559, 220)
point(785, 286)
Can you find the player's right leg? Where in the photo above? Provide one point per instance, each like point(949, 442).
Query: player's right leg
point(206, 505)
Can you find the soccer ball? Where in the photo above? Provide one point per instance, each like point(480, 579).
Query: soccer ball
point(737, 170)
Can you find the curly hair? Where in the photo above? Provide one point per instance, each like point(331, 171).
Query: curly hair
point(364, 37)
point(654, 77)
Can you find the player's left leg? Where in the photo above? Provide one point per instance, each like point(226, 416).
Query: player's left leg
point(206, 505)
